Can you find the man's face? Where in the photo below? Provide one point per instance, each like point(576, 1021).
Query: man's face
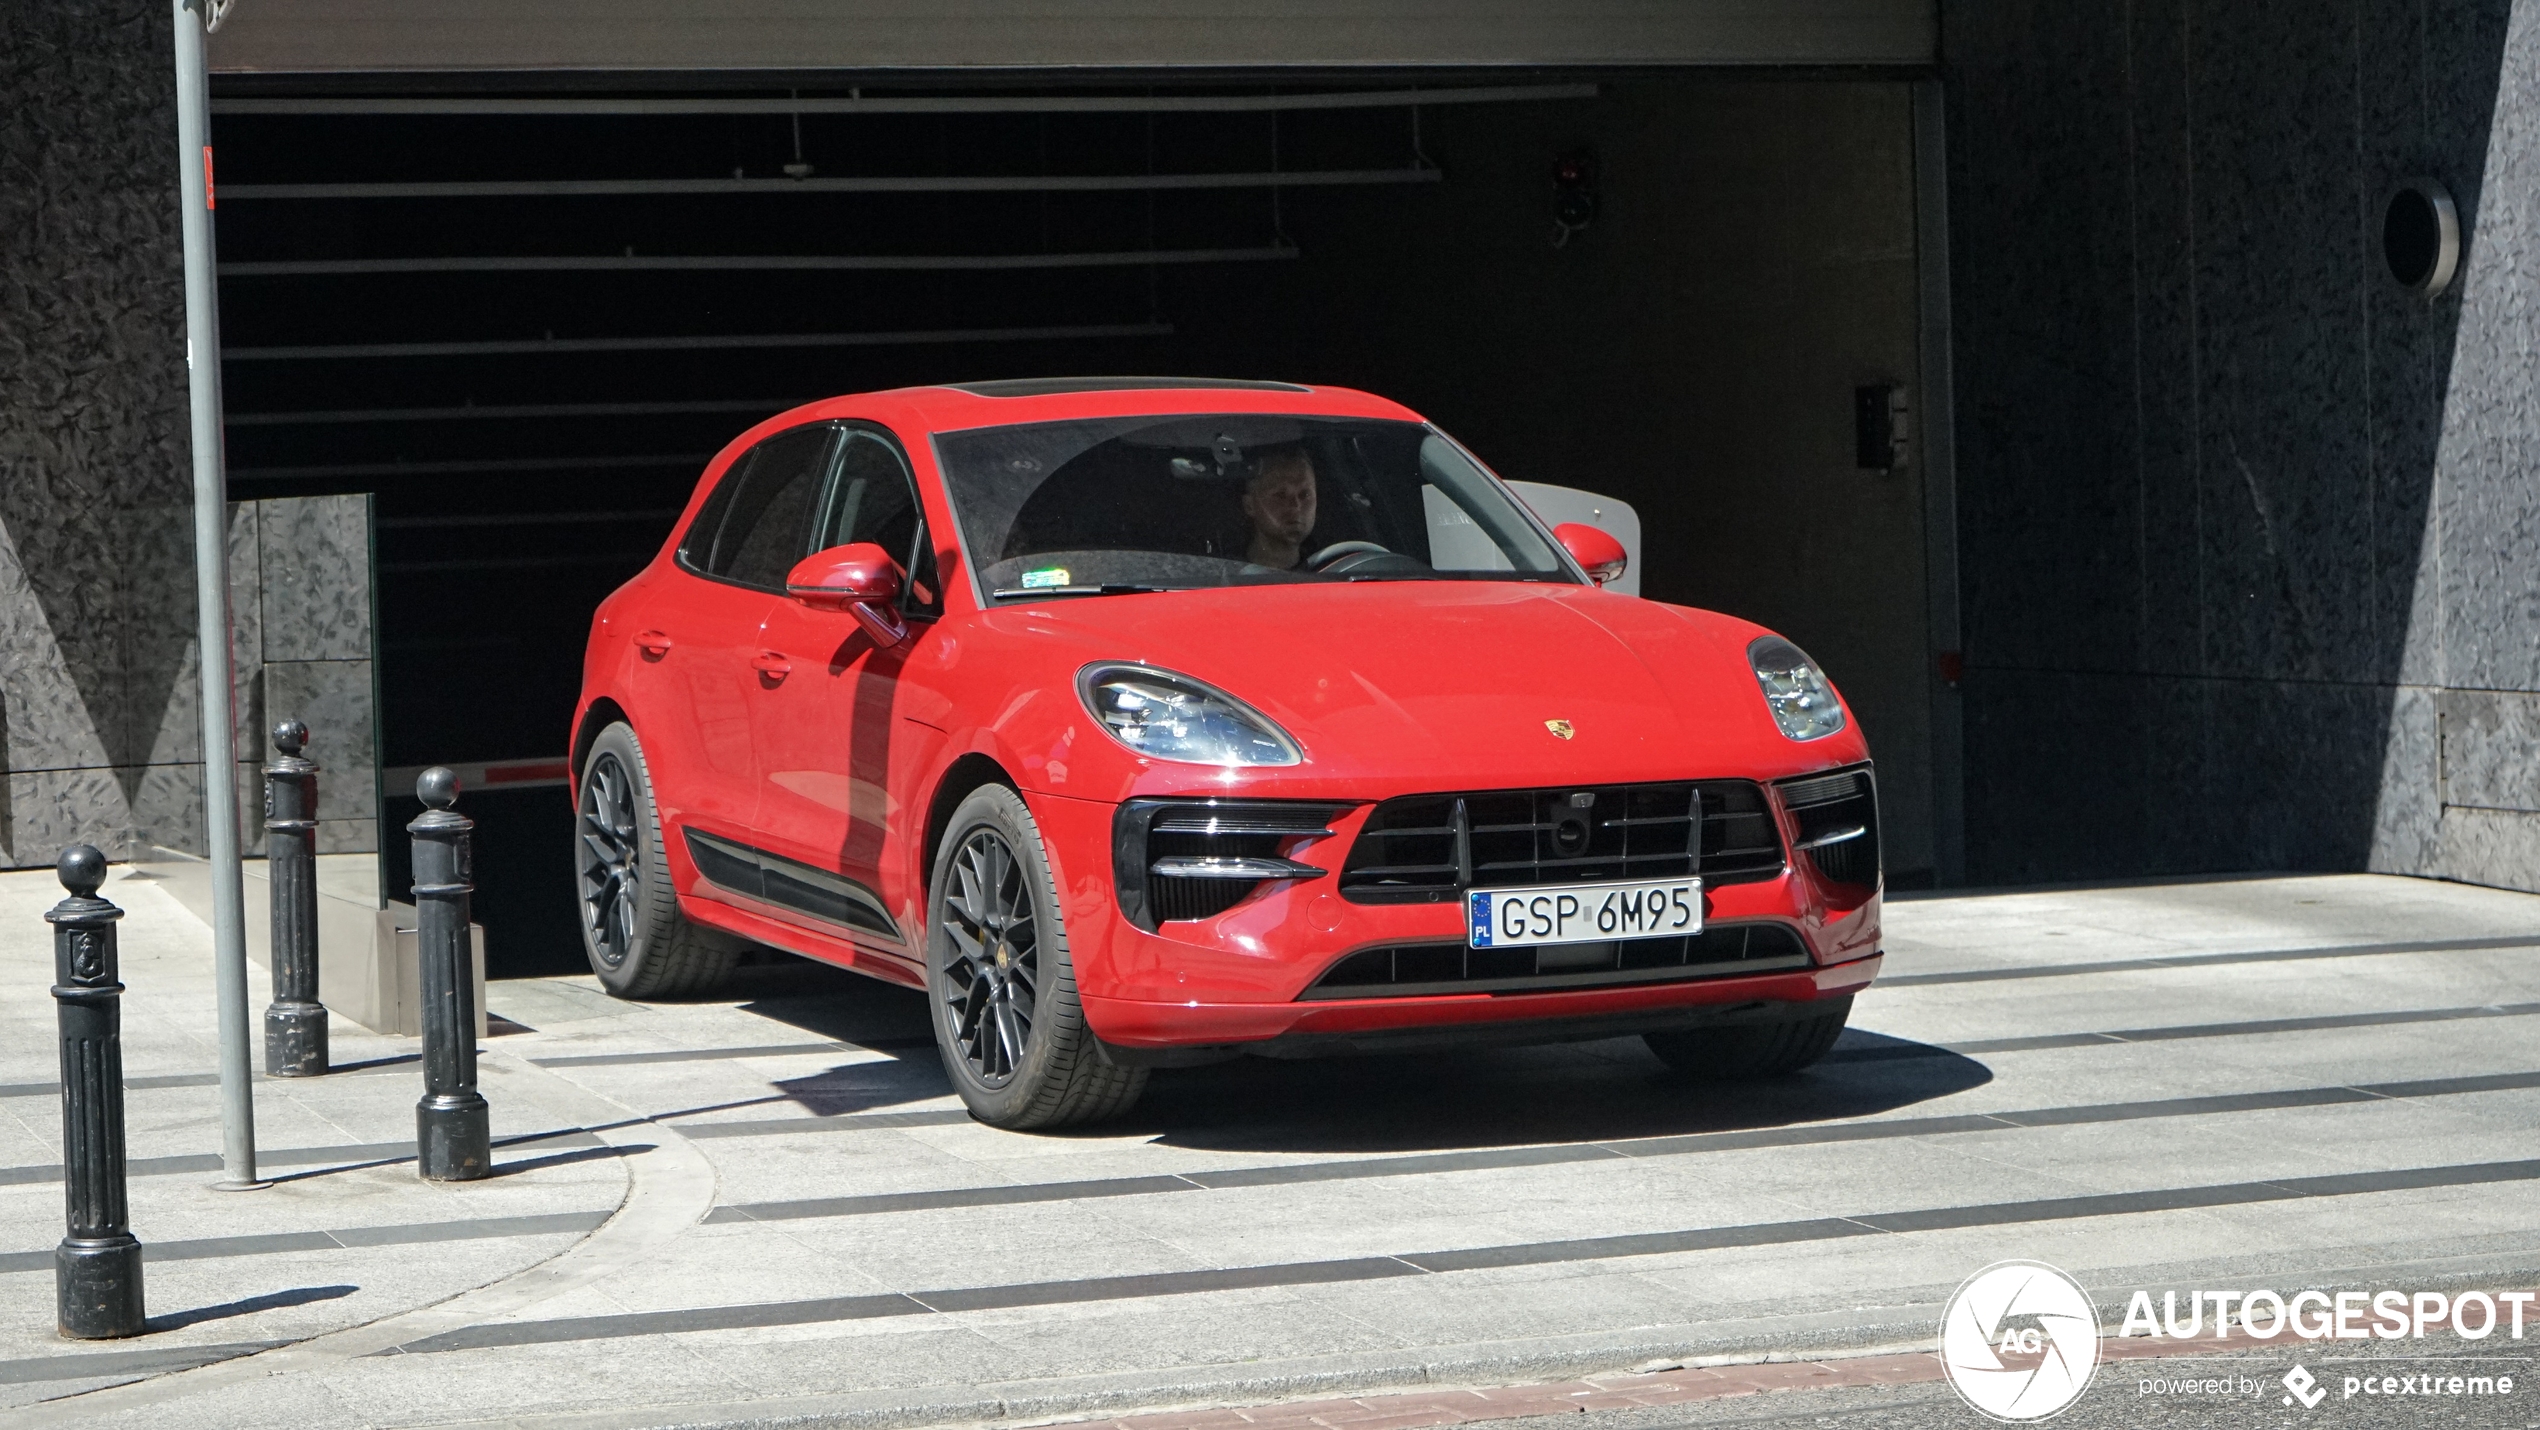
point(1280, 502)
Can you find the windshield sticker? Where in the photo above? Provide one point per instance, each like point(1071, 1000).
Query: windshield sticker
point(1046, 576)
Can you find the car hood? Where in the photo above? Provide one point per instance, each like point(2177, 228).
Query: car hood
point(1443, 684)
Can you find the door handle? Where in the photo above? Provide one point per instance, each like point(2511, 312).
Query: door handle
point(654, 644)
point(772, 665)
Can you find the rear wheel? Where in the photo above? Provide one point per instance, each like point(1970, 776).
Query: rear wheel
point(639, 943)
point(1755, 1050)
point(1007, 1019)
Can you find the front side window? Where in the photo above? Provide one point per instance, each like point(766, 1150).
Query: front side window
point(873, 499)
point(757, 525)
point(1175, 502)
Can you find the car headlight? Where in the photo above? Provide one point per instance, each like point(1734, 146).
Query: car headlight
point(1798, 694)
point(1165, 716)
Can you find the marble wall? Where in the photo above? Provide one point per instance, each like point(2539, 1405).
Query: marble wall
point(2250, 541)
point(100, 738)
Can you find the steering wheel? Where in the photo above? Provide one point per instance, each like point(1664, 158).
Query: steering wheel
point(1339, 549)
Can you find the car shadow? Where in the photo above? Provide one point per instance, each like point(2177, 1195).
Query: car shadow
point(833, 1003)
point(1492, 1097)
point(1461, 1098)
point(869, 1014)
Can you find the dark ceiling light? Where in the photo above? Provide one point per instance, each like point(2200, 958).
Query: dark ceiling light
point(1573, 195)
point(2421, 237)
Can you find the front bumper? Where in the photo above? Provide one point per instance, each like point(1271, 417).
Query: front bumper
point(1240, 977)
point(1397, 1024)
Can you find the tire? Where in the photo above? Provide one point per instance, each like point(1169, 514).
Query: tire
point(998, 979)
point(639, 943)
point(1754, 1051)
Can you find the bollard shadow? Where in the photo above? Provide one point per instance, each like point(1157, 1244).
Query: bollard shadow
point(393, 1060)
point(270, 1301)
point(1494, 1097)
point(566, 1159)
point(578, 1154)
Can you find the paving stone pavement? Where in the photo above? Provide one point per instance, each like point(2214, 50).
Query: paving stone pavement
point(767, 1206)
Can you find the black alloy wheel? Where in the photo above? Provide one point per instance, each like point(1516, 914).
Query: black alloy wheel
point(1000, 982)
point(991, 985)
point(639, 942)
point(610, 859)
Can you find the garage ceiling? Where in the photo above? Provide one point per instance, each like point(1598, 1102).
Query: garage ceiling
point(321, 36)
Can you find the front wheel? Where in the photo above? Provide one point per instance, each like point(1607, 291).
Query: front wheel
point(1007, 1020)
point(1748, 1052)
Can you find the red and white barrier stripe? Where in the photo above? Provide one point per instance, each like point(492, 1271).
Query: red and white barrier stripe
point(483, 775)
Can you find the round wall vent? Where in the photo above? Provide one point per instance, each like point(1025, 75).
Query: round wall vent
point(2421, 237)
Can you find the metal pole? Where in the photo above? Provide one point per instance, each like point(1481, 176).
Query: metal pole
point(97, 1268)
point(452, 1140)
point(295, 1022)
point(211, 602)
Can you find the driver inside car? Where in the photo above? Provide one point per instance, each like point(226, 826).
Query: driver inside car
point(1279, 501)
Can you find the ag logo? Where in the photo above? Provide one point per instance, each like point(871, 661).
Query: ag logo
point(1561, 729)
point(2019, 1341)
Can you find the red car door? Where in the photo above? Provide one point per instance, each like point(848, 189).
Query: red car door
point(824, 735)
point(749, 535)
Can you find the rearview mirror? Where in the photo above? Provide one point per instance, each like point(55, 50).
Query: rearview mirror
point(1599, 554)
point(861, 579)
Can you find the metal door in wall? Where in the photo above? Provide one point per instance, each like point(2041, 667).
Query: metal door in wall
point(273, 36)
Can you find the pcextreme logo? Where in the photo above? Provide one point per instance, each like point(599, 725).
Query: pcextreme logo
point(2304, 1387)
point(2019, 1341)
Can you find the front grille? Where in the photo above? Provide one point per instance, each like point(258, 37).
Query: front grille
point(1412, 970)
point(1838, 820)
point(1197, 858)
point(1429, 848)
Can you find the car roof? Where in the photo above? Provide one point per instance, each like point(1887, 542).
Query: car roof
point(957, 407)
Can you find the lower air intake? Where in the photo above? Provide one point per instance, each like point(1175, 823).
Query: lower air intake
point(1178, 859)
point(1417, 969)
point(1838, 819)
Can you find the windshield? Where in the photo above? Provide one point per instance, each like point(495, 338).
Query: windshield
point(1169, 503)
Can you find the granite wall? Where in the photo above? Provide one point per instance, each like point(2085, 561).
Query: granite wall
point(303, 647)
point(100, 737)
point(2250, 541)
point(93, 474)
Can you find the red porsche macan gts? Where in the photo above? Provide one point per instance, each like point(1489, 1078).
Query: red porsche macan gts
point(1148, 721)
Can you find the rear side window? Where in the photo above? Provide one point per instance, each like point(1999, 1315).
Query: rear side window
point(758, 523)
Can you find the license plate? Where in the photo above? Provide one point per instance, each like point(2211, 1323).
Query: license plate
point(1583, 913)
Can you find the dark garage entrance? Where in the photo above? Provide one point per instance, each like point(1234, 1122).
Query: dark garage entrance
point(524, 310)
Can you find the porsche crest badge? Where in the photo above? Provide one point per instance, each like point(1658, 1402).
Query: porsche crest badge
point(1561, 729)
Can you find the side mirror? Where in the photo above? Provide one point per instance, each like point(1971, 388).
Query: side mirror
point(861, 579)
point(1600, 555)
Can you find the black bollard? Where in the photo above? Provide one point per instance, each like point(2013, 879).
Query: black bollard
point(452, 1143)
point(295, 1022)
point(97, 1268)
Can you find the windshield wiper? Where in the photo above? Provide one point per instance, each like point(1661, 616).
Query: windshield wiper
point(1108, 588)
